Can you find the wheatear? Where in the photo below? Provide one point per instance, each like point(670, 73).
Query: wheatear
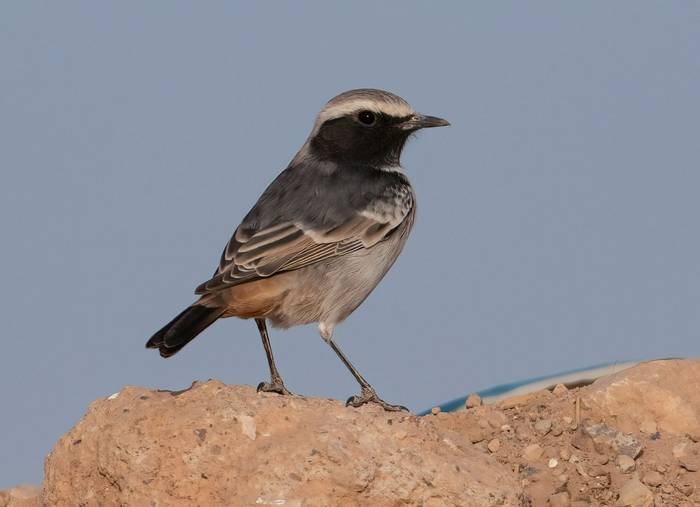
point(321, 236)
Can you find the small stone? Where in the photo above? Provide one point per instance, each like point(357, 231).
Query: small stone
point(606, 436)
point(435, 410)
point(625, 463)
point(603, 459)
point(652, 478)
point(496, 419)
point(552, 463)
point(522, 432)
point(567, 420)
point(560, 500)
point(532, 452)
point(648, 427)
point(560, 389)
point(661, 469)
point(565, 453)
point(635, 494)
point(494, 445)
point(473, 400)
point(563, 479)
point(543, 426)
point(507, 429)
point(557, 431)
point(483, 423)
point(685, 487)
point(582, 441)
point(690, 464)
point(667, 488)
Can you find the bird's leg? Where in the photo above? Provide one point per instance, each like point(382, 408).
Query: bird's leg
point(276, 385)
point(368, 394)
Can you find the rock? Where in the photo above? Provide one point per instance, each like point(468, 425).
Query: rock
point(582, 441)
point(532, 452)
point(516, 401)
point(605, 436)
point(635, 494)
point(24, 495)
point(221, 445)
point(543, 426)
point(565, 453)
point(435, 410)
point(625, 463)
point(653, 478)
point(560, 389)
point(552, 463)
point(473, 400)
point(663, 391)
point(691, 464)
point(494, 445)
point(560, 500)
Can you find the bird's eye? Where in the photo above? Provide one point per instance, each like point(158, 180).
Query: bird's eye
point(366, 117)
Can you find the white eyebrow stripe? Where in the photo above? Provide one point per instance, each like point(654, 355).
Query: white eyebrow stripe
point(333, 111)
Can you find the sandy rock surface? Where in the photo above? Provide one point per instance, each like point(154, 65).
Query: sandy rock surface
point(228, 445)
point(630, 439)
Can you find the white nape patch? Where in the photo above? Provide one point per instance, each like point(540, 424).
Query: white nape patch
point(113, 396)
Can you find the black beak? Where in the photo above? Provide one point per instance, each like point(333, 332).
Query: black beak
point(420, 121)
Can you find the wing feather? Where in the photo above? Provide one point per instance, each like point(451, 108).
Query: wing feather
point(251, 255)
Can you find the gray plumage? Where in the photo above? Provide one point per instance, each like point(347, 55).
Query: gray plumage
point(322, 235)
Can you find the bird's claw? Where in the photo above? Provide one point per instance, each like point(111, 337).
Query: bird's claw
point(276, 386)
point(370, 396)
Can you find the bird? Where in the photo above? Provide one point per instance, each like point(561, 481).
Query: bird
point(320, 237)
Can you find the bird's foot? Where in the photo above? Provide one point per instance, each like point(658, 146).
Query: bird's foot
point(275, 386)
point(369, 395)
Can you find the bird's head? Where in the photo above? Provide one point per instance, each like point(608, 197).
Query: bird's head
point(366, 126)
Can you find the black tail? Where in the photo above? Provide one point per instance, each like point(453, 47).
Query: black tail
point(182, 329)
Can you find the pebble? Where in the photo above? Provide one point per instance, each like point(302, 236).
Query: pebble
point(494, 445)
point(560, 389)
point(661, 469)
point(622, 443)
point(532, 452)
point(557, 431)
point(685, 487)
point(552, 463)
point(635, 493)
point(483, 423)
point(652, 478)
point(435, 410)
point(473, 400)
point(567, 420)
point(522, 432)
point(667, 488)
point(496, 419)
point(691, 465)
point(560, 500)
point(625, 463)
point(564, 453)
point(543, 426)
